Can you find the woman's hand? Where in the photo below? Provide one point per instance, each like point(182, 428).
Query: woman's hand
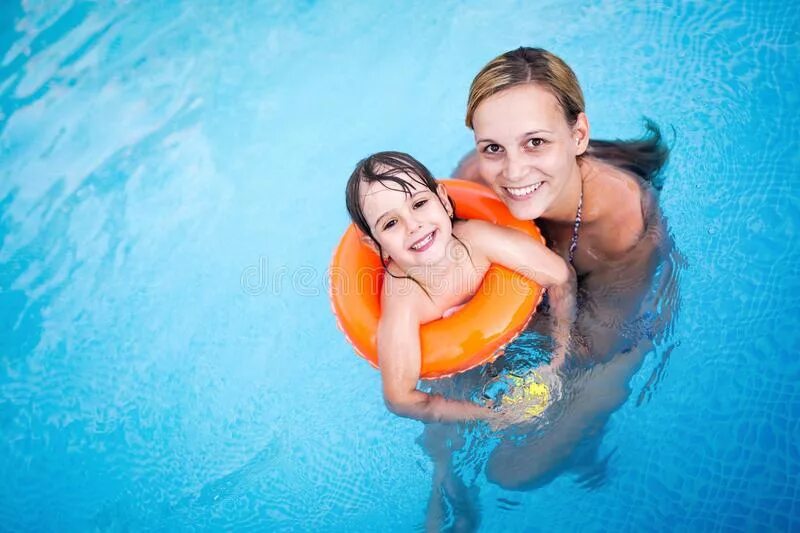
point(563, 311)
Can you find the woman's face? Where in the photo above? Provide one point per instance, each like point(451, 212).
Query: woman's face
point(526, 149)
point(413, 230)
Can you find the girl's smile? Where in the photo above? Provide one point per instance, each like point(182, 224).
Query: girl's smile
point(424, 243)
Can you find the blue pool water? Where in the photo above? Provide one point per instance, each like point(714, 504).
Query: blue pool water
point(171, 189)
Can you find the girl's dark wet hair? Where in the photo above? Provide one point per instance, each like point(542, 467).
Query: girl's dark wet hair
point(393, 170)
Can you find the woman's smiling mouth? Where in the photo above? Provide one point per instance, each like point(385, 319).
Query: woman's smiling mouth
point(522, 193)
point(424, 243)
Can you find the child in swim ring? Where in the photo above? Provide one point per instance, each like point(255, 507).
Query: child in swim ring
point(434, 264)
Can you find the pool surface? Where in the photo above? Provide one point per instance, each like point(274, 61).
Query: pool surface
point(171, 190)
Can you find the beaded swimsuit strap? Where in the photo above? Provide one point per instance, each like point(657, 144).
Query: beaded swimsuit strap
point(573, 244)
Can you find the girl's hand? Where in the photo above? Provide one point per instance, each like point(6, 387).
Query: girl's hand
point(506, 416)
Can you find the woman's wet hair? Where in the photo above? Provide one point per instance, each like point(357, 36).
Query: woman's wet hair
point(393, 170)
point(644, 156)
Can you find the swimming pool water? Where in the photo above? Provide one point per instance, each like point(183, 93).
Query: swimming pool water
point(171, 189)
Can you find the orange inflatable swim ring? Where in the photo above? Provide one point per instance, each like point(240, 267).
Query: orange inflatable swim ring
point(476, 333)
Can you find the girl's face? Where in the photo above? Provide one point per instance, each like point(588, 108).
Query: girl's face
point(526, 149)
point(413, 230)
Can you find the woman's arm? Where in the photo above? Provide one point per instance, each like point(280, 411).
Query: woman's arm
point(527, 256)
point(399, 359)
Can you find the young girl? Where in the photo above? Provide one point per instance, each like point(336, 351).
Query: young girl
point(435, 262)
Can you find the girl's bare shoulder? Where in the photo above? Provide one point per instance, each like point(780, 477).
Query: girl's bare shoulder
point(399, 290)
point(404, 299)
point(476, 234)
point(474, 229)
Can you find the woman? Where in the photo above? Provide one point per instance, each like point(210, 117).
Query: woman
point(593, 200)
point(595, 203)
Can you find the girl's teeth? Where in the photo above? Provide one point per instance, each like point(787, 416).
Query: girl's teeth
point(423, 242)
point(522, 191)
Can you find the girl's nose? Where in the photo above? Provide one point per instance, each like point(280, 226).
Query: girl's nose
point(413, 224)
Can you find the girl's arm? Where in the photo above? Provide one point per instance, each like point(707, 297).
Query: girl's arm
point(519, 252)
point(399, 359)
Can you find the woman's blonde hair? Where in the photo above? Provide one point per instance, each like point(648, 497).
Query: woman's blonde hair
point(523, 66)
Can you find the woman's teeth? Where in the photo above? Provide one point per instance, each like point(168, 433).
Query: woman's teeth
point(519, 192)
point(422, 242)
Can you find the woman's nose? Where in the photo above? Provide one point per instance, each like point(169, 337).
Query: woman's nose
point(513, 167)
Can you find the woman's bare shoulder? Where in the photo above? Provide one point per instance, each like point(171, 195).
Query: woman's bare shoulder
point(615, 201)
point(467, 169)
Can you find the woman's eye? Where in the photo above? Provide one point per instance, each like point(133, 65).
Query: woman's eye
point(420, 203)
point(492, 148)
point(535, 142)
point(390, 224)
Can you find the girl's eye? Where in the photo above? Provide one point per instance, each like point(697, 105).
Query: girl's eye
point(420, 203)
point(535, 142)
point(492, 148)
point(390, 224)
